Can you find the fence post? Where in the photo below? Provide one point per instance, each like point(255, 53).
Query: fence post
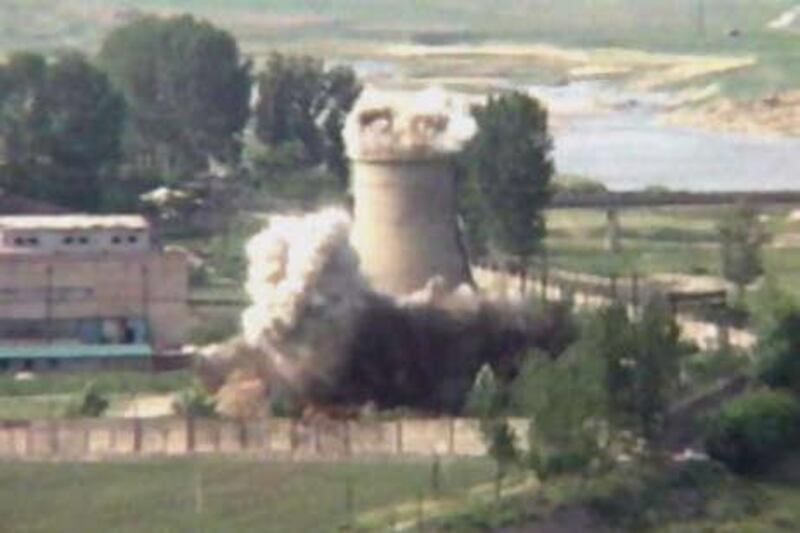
point(29, 440)
point(451, 442)
point(614, 293)
point(137, 435)
point(190, 434)
point(545, 277)
point(635, 292)
point(399, 436)
point(420, 510)
point(242, 436)
point(348, 440)
point(723, 332)
point(54, 444)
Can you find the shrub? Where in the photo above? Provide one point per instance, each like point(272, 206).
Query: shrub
point(196, 402)
point(88, 403)
point(754, 431)
point(780, 362)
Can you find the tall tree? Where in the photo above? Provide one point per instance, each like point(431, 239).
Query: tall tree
point(22, 127)
point(641, 365)
point(300, 101)
point(741, 238)
point(62, 125)
point(508, 167)
point(188, 89)
point(85, 118)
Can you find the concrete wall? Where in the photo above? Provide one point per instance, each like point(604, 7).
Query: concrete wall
point(405, 226)
point(274, 438)
point(99, 285)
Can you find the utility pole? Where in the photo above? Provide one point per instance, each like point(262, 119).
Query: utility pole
point(701, 18)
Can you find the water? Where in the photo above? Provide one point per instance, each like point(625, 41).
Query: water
point(614, 136)
point(627, 149)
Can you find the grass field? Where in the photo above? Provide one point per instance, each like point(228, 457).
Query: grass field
point(665, 240)
point(106, 383)
point(47, 395)
point(213, 495)
point(699, 497)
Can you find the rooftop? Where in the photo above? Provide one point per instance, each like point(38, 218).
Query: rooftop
point(74, 351)
point(73, 222)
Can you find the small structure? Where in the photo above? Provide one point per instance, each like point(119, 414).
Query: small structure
point(85, 291)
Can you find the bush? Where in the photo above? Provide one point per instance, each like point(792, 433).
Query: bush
point(754, 431)
point(196, 402)
point(88, 403)
point(780, 362)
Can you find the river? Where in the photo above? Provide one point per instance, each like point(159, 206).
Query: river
point(624, 145)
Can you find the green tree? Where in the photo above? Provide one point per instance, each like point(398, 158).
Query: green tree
point(188, 89)
point(779, 347)
point(641, 365)
point(754, 431)
point(22, 126)
point(62, 126)
point(299, 101)
point(657, 367)
point(741, 237)
point(566, 402)
point(507, 169)
point(88, 403)
point(486, 401)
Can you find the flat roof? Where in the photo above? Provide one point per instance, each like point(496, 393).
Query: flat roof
point(73, 222)
point(74, 351)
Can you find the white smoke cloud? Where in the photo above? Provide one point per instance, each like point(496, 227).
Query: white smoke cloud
point(403, 125)
point(306, 288)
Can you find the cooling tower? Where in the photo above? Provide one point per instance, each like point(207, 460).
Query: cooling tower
point(405, 228)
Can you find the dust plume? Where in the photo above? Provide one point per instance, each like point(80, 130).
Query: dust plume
point(318, 332)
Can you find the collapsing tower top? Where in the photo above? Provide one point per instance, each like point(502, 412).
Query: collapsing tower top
point(406, 230)
point(407, 126)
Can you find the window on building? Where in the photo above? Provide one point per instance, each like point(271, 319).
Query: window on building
point(33, 241)
point(19, 241)
point(83, 240)
point(133, 239)
point(68, 240)
point(4, 365)
point(116, 239)
point(27, 365)
point(53, 363)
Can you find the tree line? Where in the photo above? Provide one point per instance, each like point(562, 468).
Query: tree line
point(165, 100)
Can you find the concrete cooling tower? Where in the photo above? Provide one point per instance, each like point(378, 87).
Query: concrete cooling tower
point(402, 180)
point(405, 229)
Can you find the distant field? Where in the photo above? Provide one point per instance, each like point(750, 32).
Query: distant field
point(213, 495)
point(352, 28)
point(661, 240)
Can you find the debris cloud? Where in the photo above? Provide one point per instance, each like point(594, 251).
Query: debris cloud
point(387, 125)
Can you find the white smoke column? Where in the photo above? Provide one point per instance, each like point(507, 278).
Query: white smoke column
point(306, 291)
point(401, 125)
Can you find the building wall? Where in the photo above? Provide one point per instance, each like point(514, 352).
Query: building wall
point(76, 365)
point(71, 241)
point(405, 226)
point(148, 284)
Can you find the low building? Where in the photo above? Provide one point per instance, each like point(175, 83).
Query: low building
point(85, 291)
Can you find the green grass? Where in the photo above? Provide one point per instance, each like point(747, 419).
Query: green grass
point(33, 407)
point(679, 499)
point(241, 496)
point(106, 382)
point(662, 240)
